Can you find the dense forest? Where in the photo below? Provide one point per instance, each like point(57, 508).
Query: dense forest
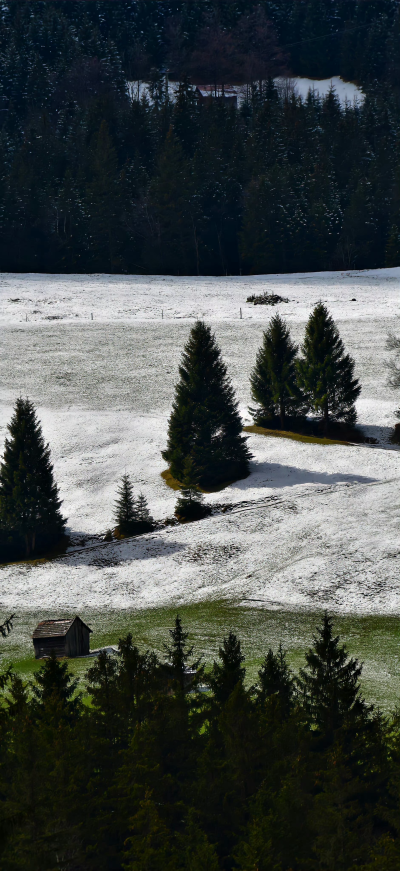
point(160, 765)
point(93, 180)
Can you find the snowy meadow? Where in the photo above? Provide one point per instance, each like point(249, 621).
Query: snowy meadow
point(312, 527)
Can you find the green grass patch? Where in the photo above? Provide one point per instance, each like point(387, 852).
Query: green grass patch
point(176, 485)
point(294, 436)
point(375, 640)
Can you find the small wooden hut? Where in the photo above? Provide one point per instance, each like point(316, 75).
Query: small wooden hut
point(208, 93)
point(69, 637)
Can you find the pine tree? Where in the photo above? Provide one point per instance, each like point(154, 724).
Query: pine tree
point(274, 379)
point(276, 679)
point(103, 203)
point(29, 500)
point(54, 684)
point(150, 845)
point(330, 682)
point(205, 424)
point(126, 516)
point(199, 854)
point(325, 372)
point(190, 503)
point(393, 247)
point(142, 512)
point(230, 671)
point(177, 655)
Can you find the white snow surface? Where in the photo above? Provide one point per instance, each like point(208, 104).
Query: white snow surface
point(346, 92)
point(312, 526)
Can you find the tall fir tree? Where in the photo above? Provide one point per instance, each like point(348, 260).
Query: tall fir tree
point(29, 498)
point(326, 372)
point(227, 673)
point(274, 378)
point(177, 655)
point(330, 682)
point(126, 516)
point(276, 679)
point(205, 423)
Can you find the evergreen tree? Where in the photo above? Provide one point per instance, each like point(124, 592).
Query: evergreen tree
point(190, 503)
point(177, 655)
point(276, 679)
point(172, 248)
point(136, 680)
point(29, 500)
point(274, 380)
point(330, 682)
point(227, 673)
point(143, 514)
point(150, 845)
point(325, 372)
point(205, 424)
point(199, 854)
point(393, 247)
point(126, 516)
point(103, 203)
point(53, 684)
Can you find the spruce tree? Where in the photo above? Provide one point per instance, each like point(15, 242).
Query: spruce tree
point(274, 379)
point(142, 512)
point(190, 503)
point(330, 682)
point(54, 684)
point(276, 679)
point(125, 508)
point(325, 372)
point(177, 655)
point(227, 673)
point(205, 424)
point(29, 499)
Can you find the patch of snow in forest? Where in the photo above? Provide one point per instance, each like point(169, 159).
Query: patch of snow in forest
point(345, 91)
point(311, 526)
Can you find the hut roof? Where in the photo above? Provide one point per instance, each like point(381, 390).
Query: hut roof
point(56, 628)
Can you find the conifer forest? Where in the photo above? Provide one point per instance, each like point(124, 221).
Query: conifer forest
point(158, 764)
point(95, 180)
point(199, 435)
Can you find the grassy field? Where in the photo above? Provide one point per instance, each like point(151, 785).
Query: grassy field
point(294, 436)
point(374, 639)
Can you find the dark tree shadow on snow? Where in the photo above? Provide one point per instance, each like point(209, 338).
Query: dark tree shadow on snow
point(274, 476)
point(108, 554)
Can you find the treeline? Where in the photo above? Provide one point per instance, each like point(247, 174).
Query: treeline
point(93, 182)
point(169, 766)
point(278, 186)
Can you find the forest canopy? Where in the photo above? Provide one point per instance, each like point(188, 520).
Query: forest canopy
point(92, 179)
point(177, 766)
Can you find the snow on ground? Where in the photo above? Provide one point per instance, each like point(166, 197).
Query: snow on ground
point(313, 526)
point(346, 92)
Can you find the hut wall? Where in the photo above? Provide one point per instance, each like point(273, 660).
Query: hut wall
point(77, 639)
point(45, 646)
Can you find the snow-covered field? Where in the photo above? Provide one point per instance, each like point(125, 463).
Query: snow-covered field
point(313, 526)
